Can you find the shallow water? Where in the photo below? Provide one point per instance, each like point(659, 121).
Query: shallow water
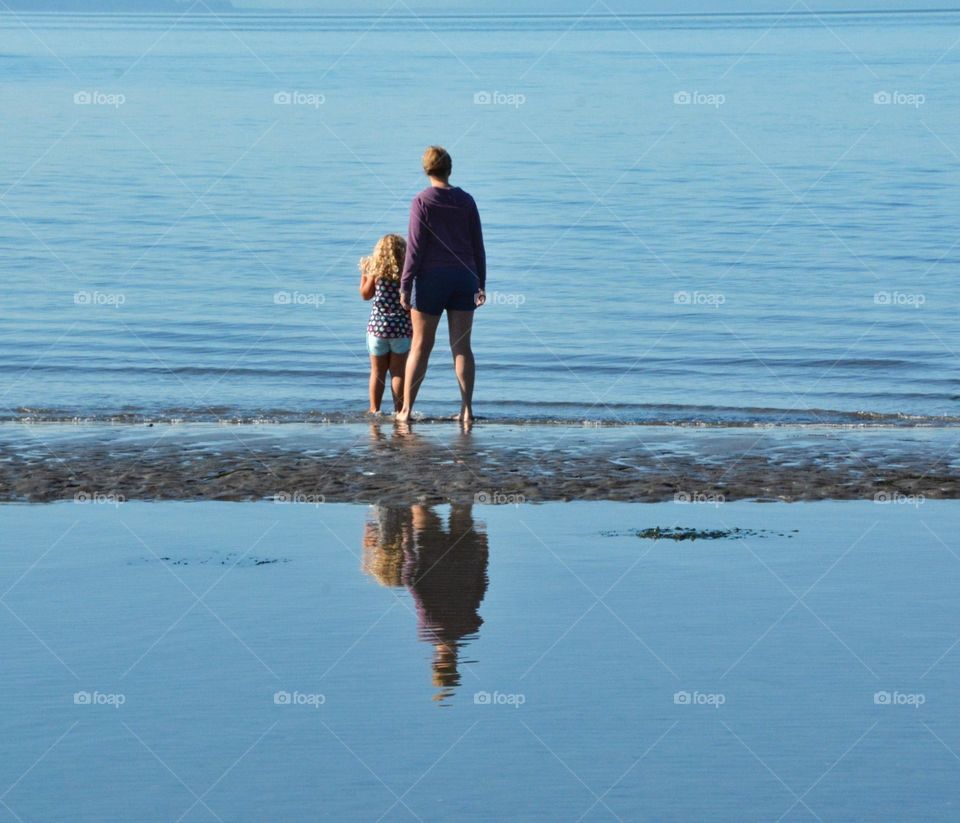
point(493, 662)
point(785, 255)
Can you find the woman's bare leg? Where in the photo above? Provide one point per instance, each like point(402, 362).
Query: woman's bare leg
point(424, 333)
point(461, 325)
point(378, 376)
point(398, 364)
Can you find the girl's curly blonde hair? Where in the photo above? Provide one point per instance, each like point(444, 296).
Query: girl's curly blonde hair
point(386, 262)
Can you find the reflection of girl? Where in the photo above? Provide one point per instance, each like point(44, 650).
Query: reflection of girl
point(383, 544)
point(445, 571)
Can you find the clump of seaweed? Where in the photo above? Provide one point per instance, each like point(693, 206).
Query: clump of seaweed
point(679, 533)
point(229, 559)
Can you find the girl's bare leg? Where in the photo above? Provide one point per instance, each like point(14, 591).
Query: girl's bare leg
point(424, 333)
point(398, 364)
point(378, 376)
point(461, 325)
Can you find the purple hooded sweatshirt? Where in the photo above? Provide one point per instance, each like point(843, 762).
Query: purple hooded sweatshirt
point(444, 233)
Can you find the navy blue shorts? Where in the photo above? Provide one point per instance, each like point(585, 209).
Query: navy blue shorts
point(452, 289)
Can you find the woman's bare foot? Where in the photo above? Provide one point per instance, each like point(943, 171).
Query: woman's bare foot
point(402, 416)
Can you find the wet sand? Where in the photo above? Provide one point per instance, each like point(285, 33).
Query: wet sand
point(491, 464)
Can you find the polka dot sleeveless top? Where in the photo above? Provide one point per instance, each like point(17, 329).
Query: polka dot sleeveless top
point(387, 317)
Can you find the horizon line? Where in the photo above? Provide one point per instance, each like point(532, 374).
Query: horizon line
point(276, 11)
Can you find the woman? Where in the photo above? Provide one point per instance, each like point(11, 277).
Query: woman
point(445, 269)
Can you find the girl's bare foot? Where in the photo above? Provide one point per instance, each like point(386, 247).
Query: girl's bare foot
point(402, 416)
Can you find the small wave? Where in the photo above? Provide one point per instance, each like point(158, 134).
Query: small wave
point(616, 415)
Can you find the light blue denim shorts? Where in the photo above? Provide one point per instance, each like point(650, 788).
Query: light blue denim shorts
point(379, 346)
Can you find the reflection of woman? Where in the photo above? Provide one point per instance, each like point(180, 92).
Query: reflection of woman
point(445, 570)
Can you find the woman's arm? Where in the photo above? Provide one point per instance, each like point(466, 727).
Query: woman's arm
point(479, 254)
point(416, 245)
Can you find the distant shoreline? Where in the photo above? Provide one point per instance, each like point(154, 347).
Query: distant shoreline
point(213, 7)
point(150, 7)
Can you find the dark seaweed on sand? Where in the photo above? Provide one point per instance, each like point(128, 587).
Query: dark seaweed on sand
point(226, 560)
point(678, 533)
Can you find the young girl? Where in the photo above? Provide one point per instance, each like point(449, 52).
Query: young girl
point(389, 329)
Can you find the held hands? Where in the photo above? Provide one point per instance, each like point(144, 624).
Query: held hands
point(479, 298)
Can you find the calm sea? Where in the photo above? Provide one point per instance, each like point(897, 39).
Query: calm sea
point(689, 218)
